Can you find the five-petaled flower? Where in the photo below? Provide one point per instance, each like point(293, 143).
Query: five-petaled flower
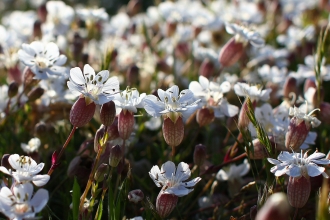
point(98, 88)
point(26, 170)
point(43, 59)
point(172, 179)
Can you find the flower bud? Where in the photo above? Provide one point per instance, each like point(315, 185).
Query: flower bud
point(132, 75)
point(112, 130)
point(308, 84)
point(116, 155)
point(99, 174)
point(35, 94)
point(97, 139)
point(275, 208)
point(296, 134)
point(199, 154)
point(12, 89)
point(42, 13)
point(125, 123)
point(325, 112)
point(40, 130)
point(135, 196)
point(14, 74)
point(298, 191)
point(165, 203)
point(134, 7)
point(173, 131)
point(28, 79)
point(231, 52)
point(207, 68)
point(204, 116)
point(290, 86)
point(243, 119)
point(81, 113)
point(5, 162)
point(37, 32)
point(108, 113)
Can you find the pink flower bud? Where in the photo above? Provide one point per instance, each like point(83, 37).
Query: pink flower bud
point(165, 203)
point(243, 119)
point(42, 13)
point(81, 113)
point(112, 130)
point(298, 191)
point(290, 86)
point(173, 131)
point(35, 94)
point(125, 123)
point(37, 32)
point(55, 164)
point(296, 134)
point(135, 196)
point(98, 136)
point(207, 68)
point(199, 154)
point(12, 89)
point(204, 116)
point(231, 52)
point(275, 208)
point(132, 75)
point(308, 84)
point(325, 112)
point(108, 113)
point(116, 155)
point(15, 74)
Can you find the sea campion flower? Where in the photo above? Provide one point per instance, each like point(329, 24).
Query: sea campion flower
point(212, 99)
point(299, 126)
point(26, 170)
point(18, 203)
point(175, 108)
point(299, 167)
point(128, 101)
point(43, 59)
point(171, 180)
point(98, 88)
point(32, 146)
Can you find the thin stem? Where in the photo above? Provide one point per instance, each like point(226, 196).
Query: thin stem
point(62, 151)
point(295, 214)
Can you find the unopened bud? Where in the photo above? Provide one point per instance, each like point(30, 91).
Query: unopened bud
point(37, 33)
point(125, 123)
point(99, 174)
point(132, 75)
point(204, 116)
point(173, 131)
point(298, 191)
point(28, 79)
point(42, 13)
point(290, 86)
point(170, 28)
point(108, 113)
point(275, 208)
point(112, 130)
point(231, 52)
point(98, 138)
point(133, 7)
point(165, 203)
point(40, 129)
point(116, 155)
point(12, 89)
point(5, 162)
point(309, 83)
point(325, 112)
point(296, 134)
point(81, 113)
point(243, 119)
point(207, 68)
point(135, 196)
point(199, 154)
point(35, 94)
point(163, 66)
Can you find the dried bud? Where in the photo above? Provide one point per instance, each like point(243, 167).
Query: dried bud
point(132, 75)
point(165, 203)
point(199, 154)
point(108, 113)
point(12, 89)
point(231, 52)
point(207, 68)
point(290, 86)
point(204, 116)
point(112, 130)
point(275, 208)
point(116, 155)
point(298, 191)
point(125, 123)
point(81, 113)
point(135, 196)
point(35, 94)
point(99, 174)
point(173, 131)
point(296, 134)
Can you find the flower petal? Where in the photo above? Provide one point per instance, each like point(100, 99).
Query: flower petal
point(40, 180)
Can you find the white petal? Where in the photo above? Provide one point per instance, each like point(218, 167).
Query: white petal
point(294, 171)
point(228, 109)
point(89, 72)
point(4, 170)
point(314, 170)
point(60, 60)
point(204, 82)
point(102, 76)
point(39, 200)
point(222, 175)
point(225, 87)
point(243, 168)
point(40, 180)
point(316, 155)
point(76, 76)
point(178, 191)
point(111, 86)
point(186, 96)
point(51, 51)
point(174, 91)
point(273, 161)
point(192, 182)
point(182, 172)
point(14, 161)
point(23, 189)
point(285, 156)
point(168, 169)
point(196, 88)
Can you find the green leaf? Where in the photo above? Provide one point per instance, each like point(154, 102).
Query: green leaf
point(75, 199)
point(99, 212)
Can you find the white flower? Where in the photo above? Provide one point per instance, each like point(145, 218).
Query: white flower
point(234, 172)
point(300, 114)
point(254, 92)
point(171, 178)
point(92, 15)
point(32, 146)
point(43, 60)
point(98, 88)
point(273, 74)
point(129, 99)
point(211, 94)
point(17, 203)
point(26, 170)
point(170, 101)
point(298, 164)
point(244, 35)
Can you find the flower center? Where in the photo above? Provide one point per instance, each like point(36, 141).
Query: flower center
point(21, 208)
point(94, 90)
point(42, 62)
